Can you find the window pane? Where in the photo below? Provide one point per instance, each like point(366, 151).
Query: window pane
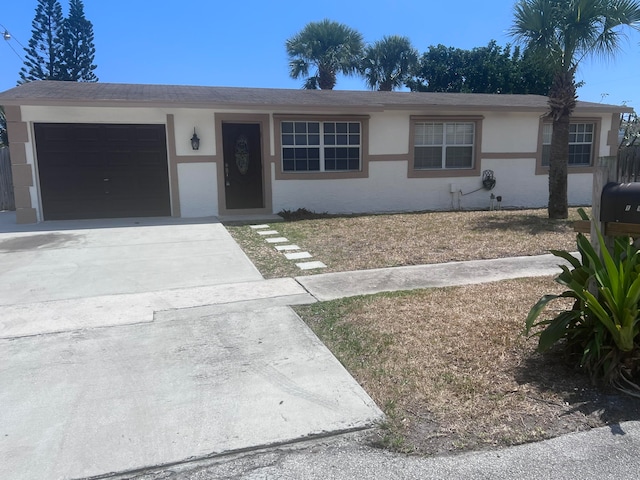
point(428, 157)
point(581, 133)
point(288, 165)
point(301, 153)
point(460, 133)
point(547, 130)
point(429, 134)
point(288, 153)
point(450, 133)
point(420, 134)
point(454, 141)
point(546, 155)
point(344, 158)
point(580, 154)
point(459, 157)
point(342, 152)
point(287, 139)
point(297, 139)
point(580, 143)
point(300, 159)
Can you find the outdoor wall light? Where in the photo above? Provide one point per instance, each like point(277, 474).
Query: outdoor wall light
point(195, 141)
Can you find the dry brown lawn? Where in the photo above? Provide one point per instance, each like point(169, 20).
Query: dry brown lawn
point(375, 241)
point(448, 366)
point(452, 373)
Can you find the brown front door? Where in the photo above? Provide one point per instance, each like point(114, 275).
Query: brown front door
point(242, 165)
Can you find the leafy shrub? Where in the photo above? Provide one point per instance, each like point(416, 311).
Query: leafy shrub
point(600, 332)
point(301, 214)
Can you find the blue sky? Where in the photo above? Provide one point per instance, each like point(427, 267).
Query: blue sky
point(225, 43)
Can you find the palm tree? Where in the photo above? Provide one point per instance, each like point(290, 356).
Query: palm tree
point(562, 33)
point(330, 47)
point(388, 63)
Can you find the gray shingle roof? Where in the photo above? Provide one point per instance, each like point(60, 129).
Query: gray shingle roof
point(115, 94)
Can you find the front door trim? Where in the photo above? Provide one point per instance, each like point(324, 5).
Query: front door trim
point(263, 120)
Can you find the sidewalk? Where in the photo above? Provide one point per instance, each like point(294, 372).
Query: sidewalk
point(330, 286)
point(109, 310)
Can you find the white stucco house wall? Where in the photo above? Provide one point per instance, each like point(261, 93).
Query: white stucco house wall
point(93, 150)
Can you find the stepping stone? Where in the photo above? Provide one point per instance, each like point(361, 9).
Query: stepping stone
point(281, 248)
point(297, 255)
point(267, 232)
point(257, 227)
point(310, 265)
point(277, 240)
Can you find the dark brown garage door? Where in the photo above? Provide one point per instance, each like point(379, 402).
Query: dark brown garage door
point(102, 171)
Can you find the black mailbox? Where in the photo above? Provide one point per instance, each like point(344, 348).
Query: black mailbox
point(620, 202)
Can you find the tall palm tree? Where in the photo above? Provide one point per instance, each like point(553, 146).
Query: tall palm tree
point(563, 33)
point(388, 63)
point(330, 47)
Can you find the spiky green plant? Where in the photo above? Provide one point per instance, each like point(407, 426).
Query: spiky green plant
point(604, 322)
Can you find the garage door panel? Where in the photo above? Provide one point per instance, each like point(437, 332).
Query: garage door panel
point(145, 134)
point(149, 160)
point(85, 134)
point(102, 171)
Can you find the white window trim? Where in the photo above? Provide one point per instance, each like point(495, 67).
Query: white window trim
point(445, 145)
point(477, 120)
point(321, 146)
point(594, 130)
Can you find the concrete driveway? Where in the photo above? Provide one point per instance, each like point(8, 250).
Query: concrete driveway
point(128, 344)
point(88, 258)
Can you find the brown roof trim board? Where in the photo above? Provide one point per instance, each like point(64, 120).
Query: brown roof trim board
point(55, 93)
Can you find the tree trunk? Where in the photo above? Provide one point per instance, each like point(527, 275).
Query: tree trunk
point(558, 197)
point(386, 86)
point(326, 79)
point(562, 102)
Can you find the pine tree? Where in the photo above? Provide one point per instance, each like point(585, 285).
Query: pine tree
point(79, 50)
point(43, 60)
